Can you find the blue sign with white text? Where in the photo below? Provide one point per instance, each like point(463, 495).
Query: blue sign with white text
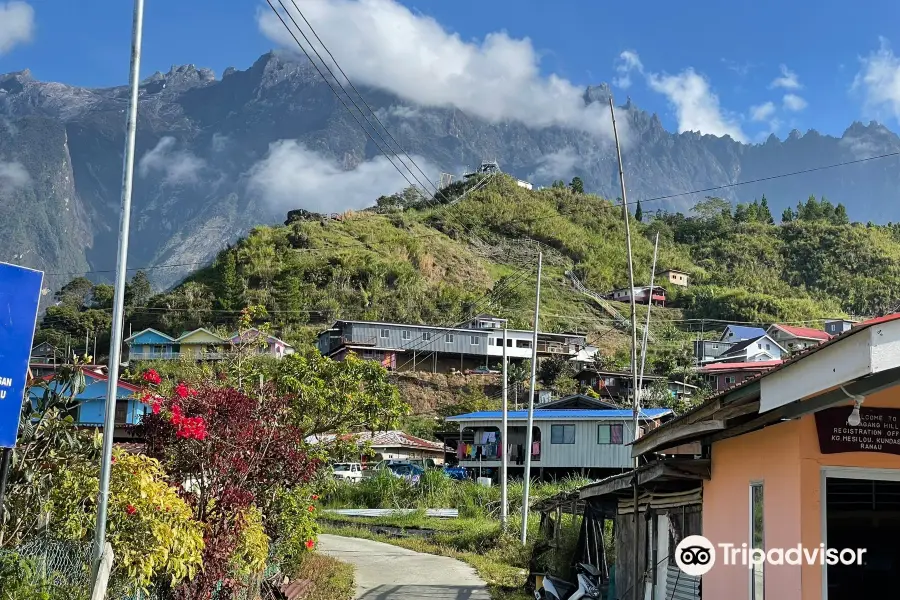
point(20, 294)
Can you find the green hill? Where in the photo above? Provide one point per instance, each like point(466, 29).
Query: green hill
point(414, 261)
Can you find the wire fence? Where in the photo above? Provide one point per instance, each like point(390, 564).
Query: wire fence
point(65, 565)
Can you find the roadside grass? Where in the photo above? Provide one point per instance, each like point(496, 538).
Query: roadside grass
point(332, 579)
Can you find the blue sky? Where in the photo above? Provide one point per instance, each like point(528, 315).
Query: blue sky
point(701, 65)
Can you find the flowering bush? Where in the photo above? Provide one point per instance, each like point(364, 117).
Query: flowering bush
point(247, 450)
point(151, 528)
point(296, 526)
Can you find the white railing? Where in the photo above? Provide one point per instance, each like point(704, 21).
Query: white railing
point(177, 355)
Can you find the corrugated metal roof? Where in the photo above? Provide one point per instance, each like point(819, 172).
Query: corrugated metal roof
point(561, 415)
point(804, 332)
point(393, 438)
point(758, 365)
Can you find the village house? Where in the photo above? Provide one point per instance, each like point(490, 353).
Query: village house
point(389, 445)
point(575, 434)
point(675, 277)
point(739, 333)
point(89, 406)
point(616, 386)
point(722, 376)
point(709, 350)
point(760, 349)
point(835, 327)
point(804, 455)
point(200, 344)
point(641, 295)
point(477, 344)
point(797, 338)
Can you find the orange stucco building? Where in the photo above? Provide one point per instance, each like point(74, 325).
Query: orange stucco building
point(790, 465)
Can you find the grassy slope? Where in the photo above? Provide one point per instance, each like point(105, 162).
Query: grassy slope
point(437, 265)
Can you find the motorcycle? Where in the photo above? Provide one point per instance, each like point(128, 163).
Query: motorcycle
point(588, 586)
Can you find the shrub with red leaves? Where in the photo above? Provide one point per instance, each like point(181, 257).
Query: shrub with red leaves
point(246, 449)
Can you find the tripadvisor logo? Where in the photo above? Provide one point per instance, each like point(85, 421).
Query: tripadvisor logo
point(695, 555)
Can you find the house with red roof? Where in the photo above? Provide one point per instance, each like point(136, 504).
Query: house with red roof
point(794, 339)
point(724, 375)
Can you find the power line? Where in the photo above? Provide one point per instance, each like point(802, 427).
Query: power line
point(300, 12)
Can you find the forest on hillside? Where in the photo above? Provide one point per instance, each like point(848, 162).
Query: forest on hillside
point(415, 259)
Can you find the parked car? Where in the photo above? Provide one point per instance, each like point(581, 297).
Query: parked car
point(458, 473)
point(348, 471)
point(407, 471)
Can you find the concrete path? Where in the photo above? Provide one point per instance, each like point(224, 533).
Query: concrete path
point(385, 572)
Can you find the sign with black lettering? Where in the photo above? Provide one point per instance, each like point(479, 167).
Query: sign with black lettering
point(878, 430)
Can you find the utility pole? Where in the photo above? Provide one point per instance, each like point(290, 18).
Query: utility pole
point(637, 585)
point(504, 508)
point(115, 341)
point(529, 434)
point(647, 325)
point(87, 337)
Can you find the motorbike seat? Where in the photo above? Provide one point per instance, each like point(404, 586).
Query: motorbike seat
point(589, 569)
point(563, 587)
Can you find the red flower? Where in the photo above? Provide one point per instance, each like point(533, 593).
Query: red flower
point(130, 509)
point(182, 390)
point(315, 497)
point(311, 508)
point(151, 376)
point(155, 407)
point(113, 460)
point(310, 544)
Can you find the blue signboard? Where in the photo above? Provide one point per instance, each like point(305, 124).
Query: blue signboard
point(20, 294)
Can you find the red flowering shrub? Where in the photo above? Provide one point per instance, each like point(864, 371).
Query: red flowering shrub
point(247, 450)
point(151, 376)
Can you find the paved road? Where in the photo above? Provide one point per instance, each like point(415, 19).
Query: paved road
point(385, 572)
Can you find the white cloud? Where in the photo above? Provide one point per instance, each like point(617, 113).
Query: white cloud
point(628, 61)
point(794, 102)
point(556, 165)
point(220, 142)
point(762, 112)
point(13, 175)
point(382, 43)
point(177, 167)
point(879, 80)
point(292, 176)
point(16, 24)
point(788, 80)
point(696, 105)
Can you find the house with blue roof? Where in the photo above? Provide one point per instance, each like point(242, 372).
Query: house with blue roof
point(741, 333)
point(575, 434)
point(89, 406)
point(706, 351)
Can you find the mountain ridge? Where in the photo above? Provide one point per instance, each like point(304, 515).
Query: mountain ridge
point(204, 137)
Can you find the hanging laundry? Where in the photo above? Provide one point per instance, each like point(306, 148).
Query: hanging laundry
point(460, 450)
point(535, 449)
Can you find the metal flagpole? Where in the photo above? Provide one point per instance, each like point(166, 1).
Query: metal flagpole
point(504, 446)
point(637, 587)
point(647, 325)
point(119, 298)
point(528, 433)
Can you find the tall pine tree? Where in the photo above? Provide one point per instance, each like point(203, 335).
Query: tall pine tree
point(638, 212)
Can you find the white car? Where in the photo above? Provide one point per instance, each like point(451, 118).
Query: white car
point(348, 471)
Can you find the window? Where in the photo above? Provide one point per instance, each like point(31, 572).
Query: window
point(473, 340)
point(407, 334)
point(384, 333)
point(729, 379)
point(757, 540)
point(759, 346)
point(562, 434)
point(509, 343)
point(121, 412)
point(523, 343)
point(609, 433)
point(768, 346)
point(449, 338)
point(426, 336)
